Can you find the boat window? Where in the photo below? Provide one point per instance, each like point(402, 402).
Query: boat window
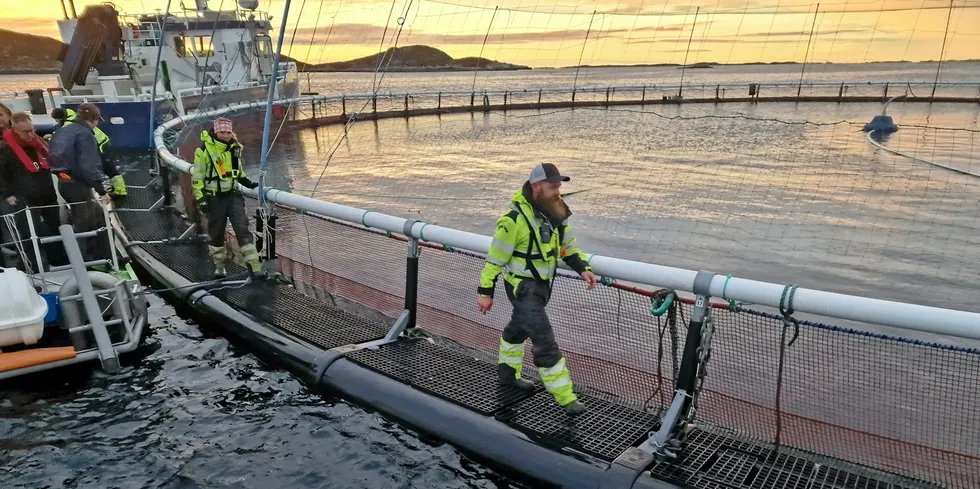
point(180, 46)
point(202, 44)
point(263, 45)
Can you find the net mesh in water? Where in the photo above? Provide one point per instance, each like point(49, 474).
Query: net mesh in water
point(889, 403)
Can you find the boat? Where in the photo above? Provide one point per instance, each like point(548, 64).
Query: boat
point(145, 68)
point(80, 312)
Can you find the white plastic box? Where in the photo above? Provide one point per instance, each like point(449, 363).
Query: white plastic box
point(22, 310)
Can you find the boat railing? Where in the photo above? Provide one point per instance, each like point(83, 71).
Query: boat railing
point(81, 99)
point(75, 288)
point(32, 243)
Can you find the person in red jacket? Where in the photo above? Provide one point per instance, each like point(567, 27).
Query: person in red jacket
point(25, 181)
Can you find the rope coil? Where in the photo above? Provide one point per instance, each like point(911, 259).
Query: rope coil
point(662, 301)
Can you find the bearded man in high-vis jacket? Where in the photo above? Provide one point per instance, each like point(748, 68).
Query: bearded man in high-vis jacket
point(526, 246)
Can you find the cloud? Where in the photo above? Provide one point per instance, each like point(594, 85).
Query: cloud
point(774, 42)
point(803, 33)
point(355, 33)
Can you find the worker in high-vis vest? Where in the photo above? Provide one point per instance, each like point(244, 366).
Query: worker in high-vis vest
point(217, 166)
point(526, 246)
point(117, 186)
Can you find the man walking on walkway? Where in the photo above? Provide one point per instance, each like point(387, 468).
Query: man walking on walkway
point(526, 246)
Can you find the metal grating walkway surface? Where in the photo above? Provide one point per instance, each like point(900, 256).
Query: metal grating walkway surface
point(155, 225)
point(270, 301)
point(281, 305)
point(443, 371)
point(713, 461)
point(604, 431)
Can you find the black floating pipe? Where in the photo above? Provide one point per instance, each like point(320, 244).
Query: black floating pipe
point(292, 353)
point(459, 426)
point(64, 10)
point(71, 3)
point(487, 439)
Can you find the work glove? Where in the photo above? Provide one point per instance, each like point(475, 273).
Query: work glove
point(202, 206)
point(245, 182)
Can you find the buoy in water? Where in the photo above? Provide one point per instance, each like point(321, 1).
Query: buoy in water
point(881, 123)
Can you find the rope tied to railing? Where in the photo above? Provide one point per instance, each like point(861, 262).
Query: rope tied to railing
point(662, 301)
point(786, 309)
point(733, 305)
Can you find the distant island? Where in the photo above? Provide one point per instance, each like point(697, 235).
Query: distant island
point(412, 58)
point(28, 54)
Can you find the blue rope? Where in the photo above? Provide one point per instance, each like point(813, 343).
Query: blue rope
point(878, 336)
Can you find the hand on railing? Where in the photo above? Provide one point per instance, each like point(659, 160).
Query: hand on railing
point(589, 277)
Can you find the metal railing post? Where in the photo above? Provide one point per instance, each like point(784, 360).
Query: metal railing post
point(668, 440)
point(106, 353)
point(411, 274)
point(35, 242)
point(165, 178)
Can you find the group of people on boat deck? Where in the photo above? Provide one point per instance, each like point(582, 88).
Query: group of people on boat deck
point(68, 168)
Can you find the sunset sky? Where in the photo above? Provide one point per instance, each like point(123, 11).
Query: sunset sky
point(540, 33)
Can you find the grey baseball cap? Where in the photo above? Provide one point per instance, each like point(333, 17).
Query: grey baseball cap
point(546, 172)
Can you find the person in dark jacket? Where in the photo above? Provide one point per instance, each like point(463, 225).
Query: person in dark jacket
point(25, 181)
point(76, 161)
point(117, 186)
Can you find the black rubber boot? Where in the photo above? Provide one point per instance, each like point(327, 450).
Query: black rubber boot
point(506, 375)
point(574, 408)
